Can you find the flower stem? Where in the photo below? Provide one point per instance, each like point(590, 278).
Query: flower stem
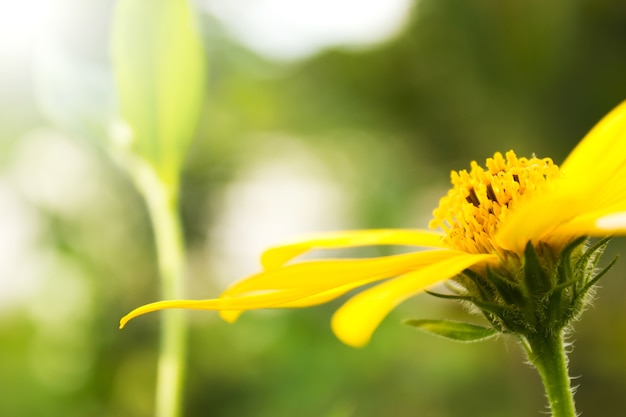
point(162, 203)
point(547, 354)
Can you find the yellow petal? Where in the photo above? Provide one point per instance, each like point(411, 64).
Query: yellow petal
point(248, 302)
point(279, 255)
point(326, 275)
point(601, 151)
point(599, 223)
point(593, 181)
point(318, 298)
point(314, 297)
point(357, 319)
point(328, 295)
point(300, 285)
point(230, 316)
point(536, 217)
point(596, 168)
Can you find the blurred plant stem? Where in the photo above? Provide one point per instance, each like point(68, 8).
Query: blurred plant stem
point(160, 72)
point(162, 201)
point(547, 354)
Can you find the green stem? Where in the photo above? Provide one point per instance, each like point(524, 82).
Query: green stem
point(547, 354)
point(162, 203)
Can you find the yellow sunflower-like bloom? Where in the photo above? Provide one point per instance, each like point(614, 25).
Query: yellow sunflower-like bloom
point(489, 221)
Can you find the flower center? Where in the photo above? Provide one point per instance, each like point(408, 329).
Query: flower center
point(481, 199)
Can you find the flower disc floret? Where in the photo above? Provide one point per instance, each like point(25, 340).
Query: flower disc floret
point(481, 199)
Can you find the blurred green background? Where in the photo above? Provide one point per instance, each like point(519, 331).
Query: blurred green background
point(320, 115)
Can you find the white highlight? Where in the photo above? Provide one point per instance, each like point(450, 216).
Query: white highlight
point(287, 29)
point(275, 198)
point(23, 23)
point(612, 221)
point(121, 134)
point(19, 274)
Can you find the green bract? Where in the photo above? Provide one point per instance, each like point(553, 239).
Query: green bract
point(547, 292)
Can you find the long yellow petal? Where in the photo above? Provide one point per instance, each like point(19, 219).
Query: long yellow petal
point(328, 295)
point(357, 319)
point(300, 285)
point(249, 302)
point(604, 222)
point(535, 218)
point(601, 151)
point(226, 305)
point(596, 168)
point(280, 255)
point(593, 181)
point(314, 299)
point(327, 275)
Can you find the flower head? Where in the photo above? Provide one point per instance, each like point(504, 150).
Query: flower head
point(510, 236)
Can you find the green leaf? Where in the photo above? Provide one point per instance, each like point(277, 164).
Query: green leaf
point(455, 330)
point(160, 72)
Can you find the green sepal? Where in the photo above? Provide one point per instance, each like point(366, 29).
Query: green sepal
point(599, 275)
point(455, 330)
point(450, 296)
point(490, 311)
point(509, 292)
point(559, 308)
point(592, 255)
point(565, 272)
point(536, 280)
point(480, 284)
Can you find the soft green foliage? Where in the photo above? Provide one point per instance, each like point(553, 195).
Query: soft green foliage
point(160, 71)
point(455, 330)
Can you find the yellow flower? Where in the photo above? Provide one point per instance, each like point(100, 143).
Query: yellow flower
point(487, 220)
